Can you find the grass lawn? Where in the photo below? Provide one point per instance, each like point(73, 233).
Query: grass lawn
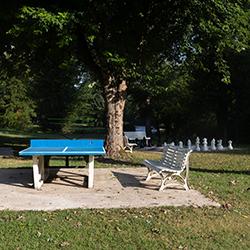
point(224, 177)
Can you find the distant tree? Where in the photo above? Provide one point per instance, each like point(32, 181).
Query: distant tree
point(17, 109)
point(160, 98)
point(213, 90)
point(55, 75)
point(88, 107)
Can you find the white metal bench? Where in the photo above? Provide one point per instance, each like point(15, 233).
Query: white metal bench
point(173, 165)
point(137, 135)
point(128, 145)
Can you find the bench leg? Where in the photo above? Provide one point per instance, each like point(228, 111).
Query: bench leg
point(164, 179)
point(151, 174)
point(186, 186)
point(183, 181)
point(38, 171)
point(91, 171)
point(128, 148)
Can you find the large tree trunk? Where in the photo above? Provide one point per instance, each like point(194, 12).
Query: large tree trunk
point(115, 91)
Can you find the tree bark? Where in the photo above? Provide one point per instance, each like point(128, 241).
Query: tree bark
point(115, 93)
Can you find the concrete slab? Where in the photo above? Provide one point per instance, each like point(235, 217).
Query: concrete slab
point(113, 188)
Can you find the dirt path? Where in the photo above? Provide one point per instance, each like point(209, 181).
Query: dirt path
point(114, 188)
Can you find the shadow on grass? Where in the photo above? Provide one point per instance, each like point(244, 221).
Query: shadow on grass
point(220, 171)
point(242, 151)
point(117, 162)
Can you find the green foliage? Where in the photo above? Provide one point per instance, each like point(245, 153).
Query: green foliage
point(221, 26)
point(217, 109)
point(239, 115)
point(17, 109)
point(160, 95)
point(53, 84)
point(88, 107)
point(188, 95)
point(45, 18)
point(130, 40)
point(54, 70)
point(40, 21)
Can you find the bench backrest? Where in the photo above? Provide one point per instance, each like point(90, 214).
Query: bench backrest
point(83, 143)
point(125, 140)
point(132, 135)
point(175, 158)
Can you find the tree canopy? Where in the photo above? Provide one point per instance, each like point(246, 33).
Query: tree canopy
point(117, 42)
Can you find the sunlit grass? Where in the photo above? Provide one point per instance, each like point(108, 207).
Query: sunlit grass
point(224, 177)
point(154, 228)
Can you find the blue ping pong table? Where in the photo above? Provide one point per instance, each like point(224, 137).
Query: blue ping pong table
point(58, 147)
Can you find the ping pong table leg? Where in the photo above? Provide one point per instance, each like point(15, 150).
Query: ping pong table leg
point(91, 171)
point(38, 171)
